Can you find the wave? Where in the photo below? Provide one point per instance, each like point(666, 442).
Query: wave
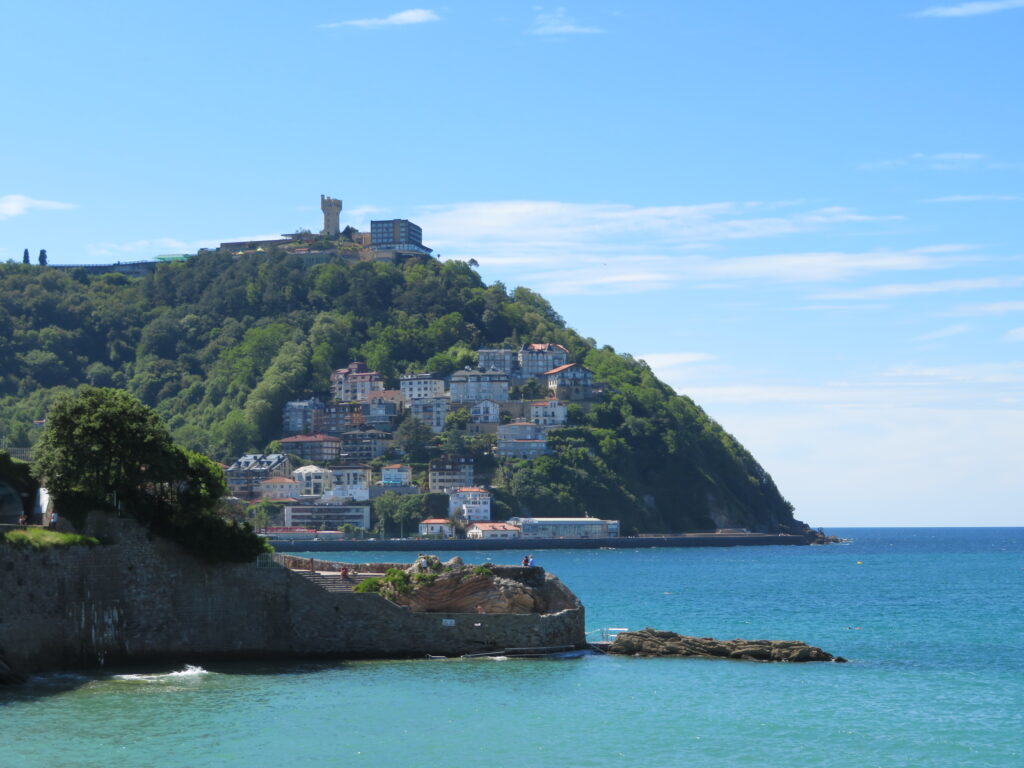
point(190, 671)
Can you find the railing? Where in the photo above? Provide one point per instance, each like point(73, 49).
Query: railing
point(606, 634)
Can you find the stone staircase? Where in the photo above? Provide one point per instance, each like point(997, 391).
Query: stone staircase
point(331, 581)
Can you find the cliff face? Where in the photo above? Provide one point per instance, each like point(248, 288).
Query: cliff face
point(140, 599)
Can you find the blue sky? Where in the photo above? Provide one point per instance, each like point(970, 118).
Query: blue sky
point(805, 215)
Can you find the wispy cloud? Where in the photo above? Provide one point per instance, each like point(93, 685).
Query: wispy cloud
point(602, 248)
point(974, 199)
point(989, 309)
point(977, 373)
point(558, 22)
point(412, 16)
point(944, 333)
point(916, 289)
point(940, 161)
point(18, 205)
point(970, 9)
point(1014, 334)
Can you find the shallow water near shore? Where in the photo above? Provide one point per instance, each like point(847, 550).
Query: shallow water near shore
point(931, 620)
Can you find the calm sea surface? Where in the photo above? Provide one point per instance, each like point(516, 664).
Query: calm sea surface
point(932, 621)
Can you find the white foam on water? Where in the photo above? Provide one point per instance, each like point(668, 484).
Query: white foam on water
point(190, 671)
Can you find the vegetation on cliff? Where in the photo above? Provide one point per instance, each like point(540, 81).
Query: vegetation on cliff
point(103, 449)
point(218, 344)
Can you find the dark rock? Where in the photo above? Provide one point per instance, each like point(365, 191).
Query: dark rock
point(653, 642)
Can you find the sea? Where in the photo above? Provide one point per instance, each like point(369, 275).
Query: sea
point(931, 620)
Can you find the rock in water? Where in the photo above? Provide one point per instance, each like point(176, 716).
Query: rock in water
point(654, 642)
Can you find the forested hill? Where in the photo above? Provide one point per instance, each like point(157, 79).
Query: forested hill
point(219, 343)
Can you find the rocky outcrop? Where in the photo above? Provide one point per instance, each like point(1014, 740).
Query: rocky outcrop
point(653, 642)
point(430, 586)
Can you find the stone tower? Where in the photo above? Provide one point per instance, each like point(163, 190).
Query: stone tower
point(332, 211)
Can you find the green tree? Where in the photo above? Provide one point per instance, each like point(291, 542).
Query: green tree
point(103, 449)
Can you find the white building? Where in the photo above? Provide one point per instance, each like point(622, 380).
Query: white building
point(417, 385)
point(333, 515)
point(474, 504)
point(521, 440)
point(279, 488)
point(396, 474)
point(492, 531)
point(535, 359)
point(472, 386)
point(432, 411)
point(566, 527)
point(436, 526)
point(312, 480)
point(355, 382)
point(351, 481)
point(549, 413)
point(485, 412)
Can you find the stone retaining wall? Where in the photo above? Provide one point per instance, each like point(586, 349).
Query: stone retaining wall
point(141, 598)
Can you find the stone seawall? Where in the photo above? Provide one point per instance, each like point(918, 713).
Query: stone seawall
point(143, 599)
point(527, 544)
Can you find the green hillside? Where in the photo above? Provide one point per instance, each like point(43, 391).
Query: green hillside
point(219, 343)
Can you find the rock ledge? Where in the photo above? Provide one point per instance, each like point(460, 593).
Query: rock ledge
point(654, 642)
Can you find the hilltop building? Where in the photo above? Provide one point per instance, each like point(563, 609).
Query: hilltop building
point(397, 237)
point(332, 211)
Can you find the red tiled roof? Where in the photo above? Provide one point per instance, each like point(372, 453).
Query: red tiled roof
point(279, 480)
point(311, 439)
point(435, 521)
point(470, 490)
point(559, 369)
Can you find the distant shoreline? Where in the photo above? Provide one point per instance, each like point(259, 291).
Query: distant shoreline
point(472, 545)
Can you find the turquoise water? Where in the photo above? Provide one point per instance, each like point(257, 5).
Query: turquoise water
point(932, 621)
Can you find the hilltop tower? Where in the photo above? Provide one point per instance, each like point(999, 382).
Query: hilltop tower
point(332, 211)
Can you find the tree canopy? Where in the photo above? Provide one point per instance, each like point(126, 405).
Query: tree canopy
point(103, 449)
point(216, 345)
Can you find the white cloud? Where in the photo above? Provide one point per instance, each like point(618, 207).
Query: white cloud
point(916, 289)
point(603, 248)
point(944, 333)
point(991, 308)
point(1014, 334)
point(18, 205)
point(970, 9)
point(973, 374)
point(558, 23)
point(974, 198)
point(940, 161)
point(412, 16)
